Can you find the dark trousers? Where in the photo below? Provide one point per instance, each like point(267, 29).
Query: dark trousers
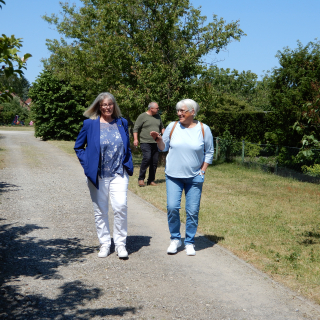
point(150, 155)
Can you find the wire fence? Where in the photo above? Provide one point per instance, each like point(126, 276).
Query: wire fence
point(280, 160)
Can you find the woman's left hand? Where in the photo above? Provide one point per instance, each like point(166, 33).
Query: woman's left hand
point(155, 135)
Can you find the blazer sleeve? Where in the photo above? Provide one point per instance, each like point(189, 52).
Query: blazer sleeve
point(128, 163)
point(80, 144)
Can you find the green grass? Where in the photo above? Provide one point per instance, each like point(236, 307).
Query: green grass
point(269, 221)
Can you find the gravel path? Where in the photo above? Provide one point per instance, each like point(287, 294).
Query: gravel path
point(50, 269)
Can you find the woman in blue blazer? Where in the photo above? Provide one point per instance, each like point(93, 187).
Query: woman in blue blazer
point(103, 149)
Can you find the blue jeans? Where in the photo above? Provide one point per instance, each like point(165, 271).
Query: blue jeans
point(192, 188)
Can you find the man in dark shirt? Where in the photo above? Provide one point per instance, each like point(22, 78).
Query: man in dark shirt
point(145, 123)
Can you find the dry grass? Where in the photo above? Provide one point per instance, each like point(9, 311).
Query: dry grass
point(66, 146)
point(2, 156)
point(17, 128)
point(269, 221)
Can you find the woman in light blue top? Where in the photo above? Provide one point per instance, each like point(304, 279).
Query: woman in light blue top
point(190, 146)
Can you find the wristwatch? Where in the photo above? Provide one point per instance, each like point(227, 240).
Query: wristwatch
point(157, 137)
point(203, 172)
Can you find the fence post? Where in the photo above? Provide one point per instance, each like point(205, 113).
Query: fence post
point(276, 166)
point(242, 155)
point(217, 148)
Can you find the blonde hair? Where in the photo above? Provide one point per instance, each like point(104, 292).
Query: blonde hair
point(94, 110)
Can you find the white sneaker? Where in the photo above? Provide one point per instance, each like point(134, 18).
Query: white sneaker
point(190, 250)
point(174, 245)
point(104, 251)
point(121, 251)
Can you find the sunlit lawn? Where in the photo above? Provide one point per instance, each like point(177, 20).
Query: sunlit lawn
point(269, 221)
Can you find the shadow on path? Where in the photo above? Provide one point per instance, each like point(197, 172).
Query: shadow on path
point(23, 256)
point(135, 243)
point(7, 187)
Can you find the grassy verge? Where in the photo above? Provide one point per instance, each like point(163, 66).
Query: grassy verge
point(269, 221)
point(66, 146)
point(2, 157)
point(17, 128)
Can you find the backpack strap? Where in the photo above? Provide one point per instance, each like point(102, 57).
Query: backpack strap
point(202, 129)
point(173, 129)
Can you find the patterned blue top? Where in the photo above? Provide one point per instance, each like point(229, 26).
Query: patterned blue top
point(111, 151)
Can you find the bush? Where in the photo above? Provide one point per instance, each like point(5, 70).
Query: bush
point(228, 146)
point(56, 108)
point(313, 171)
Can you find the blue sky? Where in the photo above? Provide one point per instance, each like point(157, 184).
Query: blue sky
point(270, 25)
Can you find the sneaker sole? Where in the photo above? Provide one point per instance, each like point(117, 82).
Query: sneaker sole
point(103, 256)
point(171, 252)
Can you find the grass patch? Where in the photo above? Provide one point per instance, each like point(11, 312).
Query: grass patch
point(66, 146)
point(16, 128)
point(269, 221)
point(2, 157)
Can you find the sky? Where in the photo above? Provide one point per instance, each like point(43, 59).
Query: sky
point(270, 26)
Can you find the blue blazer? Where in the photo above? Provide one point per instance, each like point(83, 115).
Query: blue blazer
point(89, 156)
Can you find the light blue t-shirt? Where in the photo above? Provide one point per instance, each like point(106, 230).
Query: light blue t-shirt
point(187, 150)
point(111, 151)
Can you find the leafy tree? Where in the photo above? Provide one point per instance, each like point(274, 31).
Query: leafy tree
point(57, 108)
point(19, 85)
point(294, 93)
point(238, 86)
point(140, 50)
point(10, 62)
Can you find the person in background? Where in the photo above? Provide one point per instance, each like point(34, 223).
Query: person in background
point(146, 122)
point(190, 146)
point(103, 149)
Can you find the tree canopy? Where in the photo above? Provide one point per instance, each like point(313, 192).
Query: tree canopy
point(140, 50)
point(295, 92)
point(10, 62)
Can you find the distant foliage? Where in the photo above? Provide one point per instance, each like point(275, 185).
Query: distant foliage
point(19, 85)
point(226, 90)
point(11, 108)
point(57, 108)
point(295, 93)
point(229, 146)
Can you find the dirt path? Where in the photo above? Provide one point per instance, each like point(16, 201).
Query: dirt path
point(50, 269)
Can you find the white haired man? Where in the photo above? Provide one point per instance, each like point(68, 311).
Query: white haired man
point(145, 123)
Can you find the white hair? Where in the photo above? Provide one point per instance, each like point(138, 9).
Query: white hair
point(94, 110)
point(190, 104)
point(151, 104)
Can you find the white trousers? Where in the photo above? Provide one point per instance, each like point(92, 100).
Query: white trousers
point(116, 188)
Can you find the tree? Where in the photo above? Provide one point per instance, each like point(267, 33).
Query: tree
point(140, 50)
point(19, 85)
point(57, 108)
point(294, 93)
point(10, 62)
